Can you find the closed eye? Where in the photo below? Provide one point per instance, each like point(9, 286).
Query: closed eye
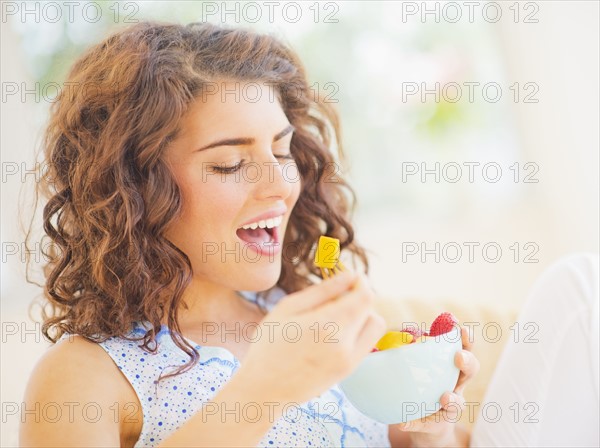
point(233, 168)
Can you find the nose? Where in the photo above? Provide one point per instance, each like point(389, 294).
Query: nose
point(277, 178)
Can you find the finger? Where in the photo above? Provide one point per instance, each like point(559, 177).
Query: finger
point(452, 407)
point(468, 365)
point(352, 309)
point(467, 338)
point(372, 330)
point(316, 295)
point(452, 403)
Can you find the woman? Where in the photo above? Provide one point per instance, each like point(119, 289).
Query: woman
point(190, 165)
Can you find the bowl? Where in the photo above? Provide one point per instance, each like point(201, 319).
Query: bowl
point(405, 383)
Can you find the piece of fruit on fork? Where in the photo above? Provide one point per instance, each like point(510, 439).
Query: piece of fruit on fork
point(327, 256)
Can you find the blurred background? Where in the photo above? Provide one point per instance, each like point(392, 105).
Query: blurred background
point(471, 134)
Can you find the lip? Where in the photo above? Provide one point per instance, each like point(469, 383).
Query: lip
point(265, 216)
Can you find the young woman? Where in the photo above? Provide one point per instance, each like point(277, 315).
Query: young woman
point(189, 167)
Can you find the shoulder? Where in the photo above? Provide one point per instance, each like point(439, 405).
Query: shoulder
point(77, 362)
point(76, 388)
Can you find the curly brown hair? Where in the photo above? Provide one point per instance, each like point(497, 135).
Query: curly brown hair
point(111, 196)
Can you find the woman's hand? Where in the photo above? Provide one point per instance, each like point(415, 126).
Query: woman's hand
point(439, 429)
point(312, 339)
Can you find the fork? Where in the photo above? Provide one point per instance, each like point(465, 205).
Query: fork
point(327, 256)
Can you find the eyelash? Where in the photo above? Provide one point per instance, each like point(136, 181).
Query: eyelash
point(237, 166)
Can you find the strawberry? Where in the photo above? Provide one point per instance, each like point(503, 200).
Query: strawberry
point(416, 332)
point(442, 324)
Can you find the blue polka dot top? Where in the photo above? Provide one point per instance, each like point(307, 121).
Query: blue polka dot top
point(326, 421)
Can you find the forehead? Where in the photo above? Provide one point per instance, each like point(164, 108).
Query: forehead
point(242, 106)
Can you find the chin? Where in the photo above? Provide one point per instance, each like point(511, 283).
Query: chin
point(260, 279)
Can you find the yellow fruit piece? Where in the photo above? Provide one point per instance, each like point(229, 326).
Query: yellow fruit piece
point(394, 339)
point(328, 252)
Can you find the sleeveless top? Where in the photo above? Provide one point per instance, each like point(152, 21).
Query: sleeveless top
point(329, 420)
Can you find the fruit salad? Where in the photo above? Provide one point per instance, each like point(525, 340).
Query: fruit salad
point(393, 339)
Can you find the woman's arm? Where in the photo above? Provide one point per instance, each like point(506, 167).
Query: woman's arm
point(73, 398)
point(402, 439)
point(77, 397)
point(398, 439)
point(222, 423)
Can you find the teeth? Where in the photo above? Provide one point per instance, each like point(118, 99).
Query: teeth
point(268, 223)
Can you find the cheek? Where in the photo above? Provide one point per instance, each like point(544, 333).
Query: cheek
point(211, 206)
point(295, 193)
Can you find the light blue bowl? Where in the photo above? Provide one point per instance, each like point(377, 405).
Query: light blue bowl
point(405, 383)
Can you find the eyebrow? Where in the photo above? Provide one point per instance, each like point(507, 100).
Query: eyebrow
point(239, 141)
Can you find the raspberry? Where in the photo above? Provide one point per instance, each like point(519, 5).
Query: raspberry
point(442, 324)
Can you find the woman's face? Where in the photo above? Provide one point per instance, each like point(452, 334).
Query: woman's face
point(232, 163)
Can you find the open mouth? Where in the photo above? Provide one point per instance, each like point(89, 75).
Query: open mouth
point(261, 232)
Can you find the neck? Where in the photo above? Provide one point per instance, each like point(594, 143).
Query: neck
point(209, 302)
